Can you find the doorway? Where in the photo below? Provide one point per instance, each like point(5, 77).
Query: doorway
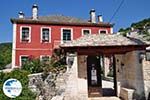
point(109, 82)
point(94, 76)
point(97, 83)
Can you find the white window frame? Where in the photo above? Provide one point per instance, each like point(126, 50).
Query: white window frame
point(62, 33)
point(85, 29)
point(111, 30)
point(44, 56)
point(20, 61)
point(41, 36)
point(103, 30)
point(29, 33)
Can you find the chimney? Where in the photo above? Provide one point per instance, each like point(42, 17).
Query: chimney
point(92, 16)
point(21, 14)
point(100, 18)
point(34, 12)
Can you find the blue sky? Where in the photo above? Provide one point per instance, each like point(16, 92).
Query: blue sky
point(131, 11)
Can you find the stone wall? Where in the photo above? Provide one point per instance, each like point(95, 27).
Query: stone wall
point(61, 86)
point(130, 73)
point(82, 77)
point(146, 76)
point(48, 86)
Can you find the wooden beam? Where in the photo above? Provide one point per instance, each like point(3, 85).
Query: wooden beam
point(107, 50)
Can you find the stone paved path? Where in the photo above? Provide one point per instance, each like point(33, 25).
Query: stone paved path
point(105, 98)
point(106, 84)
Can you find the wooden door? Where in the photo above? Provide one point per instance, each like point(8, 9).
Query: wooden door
point(94, 76)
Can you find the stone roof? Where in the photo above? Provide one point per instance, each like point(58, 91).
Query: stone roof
point(103, 40)
point(58, 19)
point(61, 18)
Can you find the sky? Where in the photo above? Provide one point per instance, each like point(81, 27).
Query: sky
point(130, 11)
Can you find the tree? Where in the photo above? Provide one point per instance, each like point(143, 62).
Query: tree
point(5, 54)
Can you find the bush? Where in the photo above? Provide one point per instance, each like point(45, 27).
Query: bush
point(22, 76)
point(33, 66)
point(37, 66)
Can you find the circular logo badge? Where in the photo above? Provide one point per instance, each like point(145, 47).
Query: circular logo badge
point(12, 88)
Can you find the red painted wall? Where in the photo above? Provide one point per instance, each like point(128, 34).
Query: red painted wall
point(36, 48)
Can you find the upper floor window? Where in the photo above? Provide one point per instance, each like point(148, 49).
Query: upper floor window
point(86, 31)
point(103, 31)
point(45, 35)
point(25, 34)
point(67, 35)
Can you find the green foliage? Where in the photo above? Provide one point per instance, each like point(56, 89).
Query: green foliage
point(137, 25)
point(124, 30)
point(33, 66)
point(37, 66)
point(5, 54)
point(22, 76)
point(146, 35)
point(140, 24)
point(123, 33)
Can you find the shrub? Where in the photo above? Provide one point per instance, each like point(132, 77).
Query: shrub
point(33, 66)
point(22, 76)
point(37, 66)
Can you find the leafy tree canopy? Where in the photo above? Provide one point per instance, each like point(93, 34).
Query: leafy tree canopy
point(137, 25)
point(5, 54)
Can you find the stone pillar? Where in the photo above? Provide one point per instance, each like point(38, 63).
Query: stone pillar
point(72, 81)
point(82, 77)
point(120, 73)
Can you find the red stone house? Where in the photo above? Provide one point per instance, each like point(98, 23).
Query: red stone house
point(38, 36)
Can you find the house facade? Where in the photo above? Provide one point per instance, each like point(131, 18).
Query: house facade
point(38, 36)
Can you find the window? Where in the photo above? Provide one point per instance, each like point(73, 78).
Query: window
point(86, 31)
point(24, 59)
point(66, 35)
point(45, 58)
point(45, 35)
point(25, 34)
point(103, 31)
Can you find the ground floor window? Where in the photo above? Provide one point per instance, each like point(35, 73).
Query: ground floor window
point(24, 59)
point(45, 58)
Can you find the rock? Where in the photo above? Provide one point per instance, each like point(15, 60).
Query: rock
point(47, 87)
